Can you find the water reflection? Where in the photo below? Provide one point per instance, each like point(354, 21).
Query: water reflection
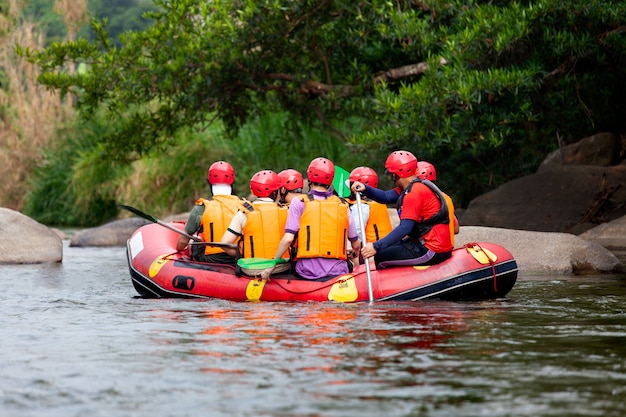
point(76, 342)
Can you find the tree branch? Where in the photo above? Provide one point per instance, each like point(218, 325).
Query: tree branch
point(315, 88)
point(404, 72)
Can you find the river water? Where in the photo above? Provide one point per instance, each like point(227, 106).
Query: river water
point(76, 341)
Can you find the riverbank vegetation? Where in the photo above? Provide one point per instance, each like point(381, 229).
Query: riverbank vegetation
point(483, 89)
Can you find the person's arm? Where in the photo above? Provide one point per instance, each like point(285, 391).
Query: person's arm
point(182, 243)
point(456, 225)
point(233, 232)
point(381, 196)
point(284, 244)
point(191, 226)
point(396, 234)
point(353, 235)
point(230, 237)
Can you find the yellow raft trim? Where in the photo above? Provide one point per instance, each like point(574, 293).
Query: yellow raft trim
point(157, 264)
point(421, 267)
point(344, 290)
point(255, 289)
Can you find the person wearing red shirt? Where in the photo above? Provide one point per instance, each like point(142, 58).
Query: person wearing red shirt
point(423, 235)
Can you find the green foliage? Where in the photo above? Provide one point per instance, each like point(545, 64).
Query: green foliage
point(123, 15)
point(73, 187)
point(481, 87)
point(77, 187)
point(277, 141)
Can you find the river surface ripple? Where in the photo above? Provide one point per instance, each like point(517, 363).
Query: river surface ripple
point(76, 341)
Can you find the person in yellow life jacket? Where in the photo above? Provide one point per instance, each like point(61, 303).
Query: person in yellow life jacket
point(291, 185)
point(210, 217)
point(258, 226)
point(375, 215)
point(322, 222)
point(426, 171)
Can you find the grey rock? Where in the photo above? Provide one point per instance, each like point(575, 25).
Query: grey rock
point(544, 253)
point(25, 241)
point(114, 233)
point(602, 149)
point(568, 198)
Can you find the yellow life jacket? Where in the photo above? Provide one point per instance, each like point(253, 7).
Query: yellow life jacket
point(218, 212)
point(263, 231)
point(450, 205)
point(323, 228)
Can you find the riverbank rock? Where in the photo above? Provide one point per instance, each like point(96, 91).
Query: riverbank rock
point(115, 233)
point(611, 235)
point(25, 241)
point(576, 188)
point(543, 253)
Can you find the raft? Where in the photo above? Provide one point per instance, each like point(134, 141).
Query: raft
point(476, 271)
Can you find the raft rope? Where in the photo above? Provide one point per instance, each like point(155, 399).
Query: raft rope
point(278, 282)
point(330, 284)
point(474, 245)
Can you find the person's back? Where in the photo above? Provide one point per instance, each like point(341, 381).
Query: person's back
point(428, 207)
point(426, 171)
point(210, 217)
point(422, 236)
point(321, 222)
point(258, 226)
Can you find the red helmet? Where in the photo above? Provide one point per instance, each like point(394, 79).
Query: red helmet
point(291, 179)
point(264, 183)
point(401, 163)
point(366, 175)
point(426, 171)
point(221, 172)
point(321, 171)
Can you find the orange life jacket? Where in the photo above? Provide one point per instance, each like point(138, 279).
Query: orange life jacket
point(323, 228)
point(218, 212)
point(378, 223)
point(264, 229)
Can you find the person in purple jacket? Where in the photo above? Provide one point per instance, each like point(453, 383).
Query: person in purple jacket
point(319, 223)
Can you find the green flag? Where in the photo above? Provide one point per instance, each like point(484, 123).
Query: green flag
point(341, 182)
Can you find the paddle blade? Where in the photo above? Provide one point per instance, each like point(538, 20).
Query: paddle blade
point(254, 266)
point(340, 182)
point(259, 263)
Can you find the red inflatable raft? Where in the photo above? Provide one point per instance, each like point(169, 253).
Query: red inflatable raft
point(475, 271)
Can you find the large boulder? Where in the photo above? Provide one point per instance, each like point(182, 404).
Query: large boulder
point(543, 253)
point(602, 149)
point(25, 241)
point(611, 235)
point(575, 188)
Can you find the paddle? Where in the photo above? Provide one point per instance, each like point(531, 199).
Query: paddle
point(255, 266)
point(340, 181)
point(370, 290)
point(196, 239)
